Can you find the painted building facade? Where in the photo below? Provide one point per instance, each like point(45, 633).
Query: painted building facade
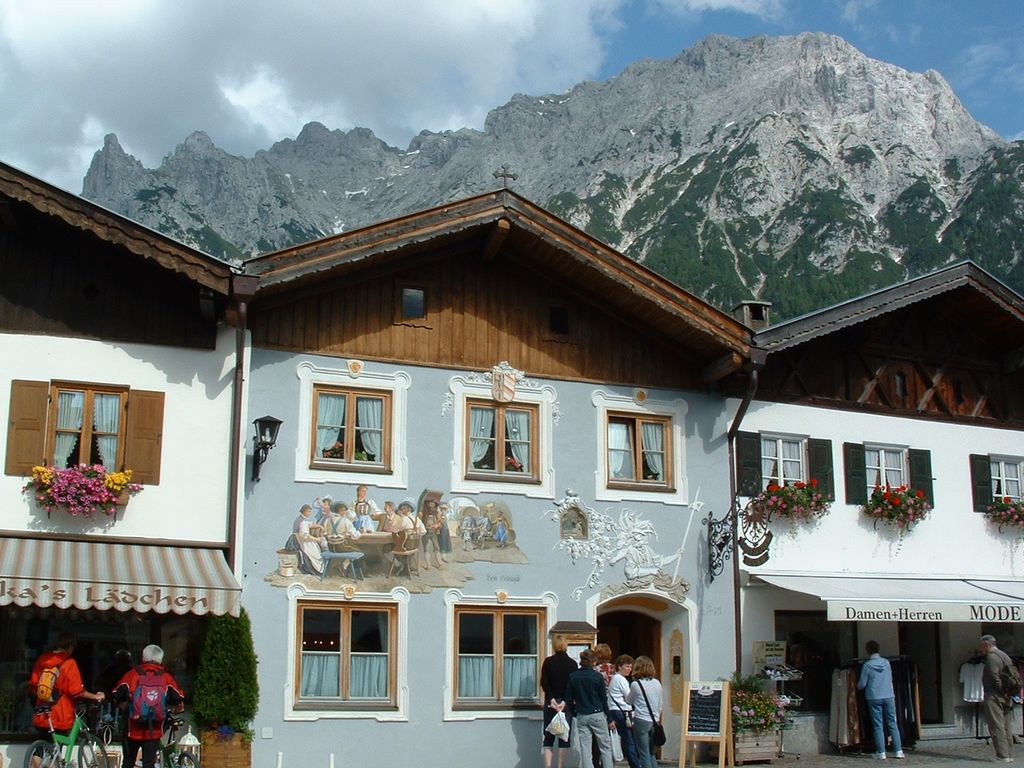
point(115, 354)
point(541, 409)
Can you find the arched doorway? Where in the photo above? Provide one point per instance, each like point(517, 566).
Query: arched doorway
point(632, 632)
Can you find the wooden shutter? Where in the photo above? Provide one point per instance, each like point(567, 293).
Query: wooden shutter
point(856, 473)
point(26, 428)
point(819, 466)
point(921, 472)
point(981, 481)
point(144, 435)
point(748, 463)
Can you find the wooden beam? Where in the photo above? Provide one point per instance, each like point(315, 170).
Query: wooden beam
point(496, 238)
point(722, 367)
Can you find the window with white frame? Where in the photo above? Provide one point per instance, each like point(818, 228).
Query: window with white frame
point(498, 655)
point(885, 466)
point(346, 655)
point(352, 429)
point(502, 441)
point(1006, 478)
point(639, 450)
point(783, 460)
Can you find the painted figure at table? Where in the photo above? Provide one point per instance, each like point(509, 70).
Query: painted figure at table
point(388, 521)
point(337, 525)
point(322, 508)
point(362, 505)
point(309, 543)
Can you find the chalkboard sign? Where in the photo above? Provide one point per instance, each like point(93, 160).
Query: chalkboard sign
point(704, 714)
point(706, 717)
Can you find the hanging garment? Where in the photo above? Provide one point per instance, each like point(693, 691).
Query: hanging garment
point(970, 676)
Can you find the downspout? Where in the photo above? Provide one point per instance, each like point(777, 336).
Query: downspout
point(243, 288)
point(757, 360)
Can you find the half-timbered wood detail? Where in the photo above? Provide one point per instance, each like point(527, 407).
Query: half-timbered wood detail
point(939, 347)
point(503, 280)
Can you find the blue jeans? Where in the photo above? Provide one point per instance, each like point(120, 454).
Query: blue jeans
point(626, 736)
point(644, 748)
point(879, 709)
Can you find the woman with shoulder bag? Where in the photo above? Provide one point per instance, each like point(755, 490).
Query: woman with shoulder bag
point(621, 710)
point(645, 697)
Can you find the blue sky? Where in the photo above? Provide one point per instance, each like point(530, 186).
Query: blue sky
point(252, 72)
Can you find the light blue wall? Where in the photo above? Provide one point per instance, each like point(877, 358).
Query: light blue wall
point(271, 506)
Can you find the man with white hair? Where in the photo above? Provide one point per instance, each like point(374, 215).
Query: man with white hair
point(998, 705)
point(151, 694)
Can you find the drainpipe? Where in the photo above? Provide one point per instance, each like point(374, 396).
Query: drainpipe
point(757, 360)
point(243, 288)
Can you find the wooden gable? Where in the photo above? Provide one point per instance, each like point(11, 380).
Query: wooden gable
point(72, 268)
point(955, 355)
point(503, 281)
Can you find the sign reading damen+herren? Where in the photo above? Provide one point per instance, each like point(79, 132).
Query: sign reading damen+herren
point(864, 610)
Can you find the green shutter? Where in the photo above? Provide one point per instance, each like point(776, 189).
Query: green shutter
point(819, 466)
point(981, 481)
point(921, 473)
point(748, 463)
point(856, 473)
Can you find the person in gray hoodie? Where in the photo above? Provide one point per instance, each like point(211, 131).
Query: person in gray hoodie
point(876, 682)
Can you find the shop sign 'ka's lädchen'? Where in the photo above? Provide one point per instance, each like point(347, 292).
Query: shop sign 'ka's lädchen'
point(99, 596)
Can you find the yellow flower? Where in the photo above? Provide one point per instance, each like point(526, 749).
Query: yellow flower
point(116, 481)
point(42, 475)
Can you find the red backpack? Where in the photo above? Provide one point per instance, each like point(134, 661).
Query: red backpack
point(149, 698)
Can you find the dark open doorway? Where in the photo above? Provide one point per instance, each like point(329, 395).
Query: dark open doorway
point(630, 632)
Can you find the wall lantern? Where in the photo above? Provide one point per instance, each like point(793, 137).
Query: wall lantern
point(266, 436)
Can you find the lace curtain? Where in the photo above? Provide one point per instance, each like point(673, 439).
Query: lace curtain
point(106, 412)
point(620, 451)
point(370, 425)
point(69, 425)
point(330, 421)
point(481, 434)
point(652, 438)
point(517, 437)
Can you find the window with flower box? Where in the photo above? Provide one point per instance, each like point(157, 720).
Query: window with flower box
point(498, 656)
point(639, 451)
point(870, 465)
point(995, 478)
point(346, 655)
point(352, 429)
point(764, 459)
point(63, 424)
point(501, 442)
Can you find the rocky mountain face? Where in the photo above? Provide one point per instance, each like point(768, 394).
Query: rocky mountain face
point(790, 169)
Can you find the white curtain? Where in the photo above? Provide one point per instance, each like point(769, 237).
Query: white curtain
point(517, 436)
point(320, 675)
point(368, 675)
point(791, 461)
point(519, 677)
point(893, 467)
point(481, 432)
point(652, 438)
point(476, 676)
point(620, 451)
point(770, 462)
point(106, 412)
point(69, 425)
point(370, 424)
point(330, 421)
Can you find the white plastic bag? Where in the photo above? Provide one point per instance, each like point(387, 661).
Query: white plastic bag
point(559, 726)
point(616, 745)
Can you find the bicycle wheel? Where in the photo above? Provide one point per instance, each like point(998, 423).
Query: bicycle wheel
point(105, 733)
point(187, 761)
point(43, 754)
point(91, 752)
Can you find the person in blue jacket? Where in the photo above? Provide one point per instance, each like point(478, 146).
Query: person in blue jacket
point(876, 682)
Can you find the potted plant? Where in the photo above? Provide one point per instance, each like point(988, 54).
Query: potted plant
point(900, 506)
point(799, 502)
point(1006, 512)
point(757, 715)
point(81, 490)
point(226, 692)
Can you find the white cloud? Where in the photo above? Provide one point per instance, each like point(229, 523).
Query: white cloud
point(764, 9)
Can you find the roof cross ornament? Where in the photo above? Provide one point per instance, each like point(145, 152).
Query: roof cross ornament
point(505, 174)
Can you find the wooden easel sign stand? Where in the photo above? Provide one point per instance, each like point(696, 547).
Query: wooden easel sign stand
point(707, 716)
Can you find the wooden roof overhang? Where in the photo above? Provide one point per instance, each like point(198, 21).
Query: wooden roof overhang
point(502, 224)
point(113, 228)
point(977, 300)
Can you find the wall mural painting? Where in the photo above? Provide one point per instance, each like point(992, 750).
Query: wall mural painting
point(421, 543)
point(606, 542)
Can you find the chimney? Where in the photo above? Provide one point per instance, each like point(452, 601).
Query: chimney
point(753, 314)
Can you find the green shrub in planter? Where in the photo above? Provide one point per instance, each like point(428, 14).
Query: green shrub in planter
point(226, 691)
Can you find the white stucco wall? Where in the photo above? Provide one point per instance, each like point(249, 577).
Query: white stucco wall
point(190, 502)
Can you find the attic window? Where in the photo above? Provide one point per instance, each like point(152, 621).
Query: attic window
point(559, 321)
point(414, 304)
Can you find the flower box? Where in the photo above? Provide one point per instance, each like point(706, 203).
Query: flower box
point(1006, 513)
point(799, 502)
point(753, 746)
point(900, 506)
point(81, 490)
point(233, 751)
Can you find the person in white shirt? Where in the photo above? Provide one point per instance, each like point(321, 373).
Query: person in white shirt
point(621, 710)
point(645, 697)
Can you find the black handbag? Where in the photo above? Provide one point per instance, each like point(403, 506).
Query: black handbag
point(658, 737)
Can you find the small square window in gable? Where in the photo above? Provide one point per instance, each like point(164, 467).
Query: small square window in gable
point(559, 323)
point(411, 306)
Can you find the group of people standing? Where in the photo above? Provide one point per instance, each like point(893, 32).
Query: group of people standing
point(603, 700)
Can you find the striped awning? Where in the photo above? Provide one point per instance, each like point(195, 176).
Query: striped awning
point(121, 577)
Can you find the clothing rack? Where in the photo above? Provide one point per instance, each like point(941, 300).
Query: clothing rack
point(977, 658)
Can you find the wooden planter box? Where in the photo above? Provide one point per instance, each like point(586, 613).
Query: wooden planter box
point(233, 752)
point(750, 747)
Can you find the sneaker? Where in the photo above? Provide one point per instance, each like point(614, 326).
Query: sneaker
point(899, 755)
point(879, 755)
